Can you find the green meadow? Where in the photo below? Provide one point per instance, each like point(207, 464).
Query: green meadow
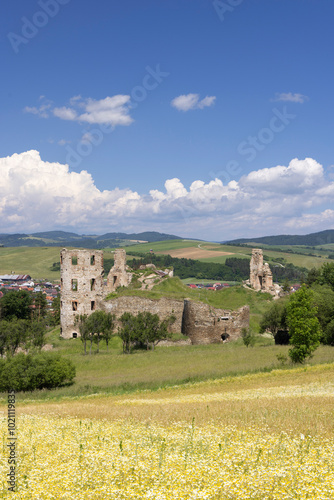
point(35, 261)
point(113, 372)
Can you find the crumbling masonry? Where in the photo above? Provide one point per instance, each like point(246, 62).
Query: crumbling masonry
point(206, 325)
point(81, 278)
point(261, 277)
point(118, 275)
point(83, 291)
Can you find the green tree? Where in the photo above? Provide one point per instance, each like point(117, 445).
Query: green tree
point(15, 332)
point(148, 328)
point(36, 331)
point(304, 327)
point(16, 304)
point(128, 332)
point(81, 322)
point(329, 333)
point(21, 333)
point(274, 319)
point(145, 329)
point(313, 276)
point(109, 326)
point(322, 276)
point(54, 314)
point(96, 326)
point(286, 285)
point(40, 305)
point(324, 301)
point(327, 274)
point(3, 337)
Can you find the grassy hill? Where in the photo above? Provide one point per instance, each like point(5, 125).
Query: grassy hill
point(37, 261)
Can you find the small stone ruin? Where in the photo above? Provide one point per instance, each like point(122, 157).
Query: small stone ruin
point(261, 277)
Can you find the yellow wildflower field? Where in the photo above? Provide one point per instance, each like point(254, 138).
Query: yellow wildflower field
point(193, 442)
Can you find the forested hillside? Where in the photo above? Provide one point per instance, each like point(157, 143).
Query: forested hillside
point(312, 239)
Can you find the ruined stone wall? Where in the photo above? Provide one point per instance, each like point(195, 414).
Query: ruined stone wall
point(200, 322)
point(118, 275)
point(81, 274)
point(163, 307)
point(204, 324)
point(260, 276)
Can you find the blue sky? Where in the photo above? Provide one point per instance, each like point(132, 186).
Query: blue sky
point(202, 118)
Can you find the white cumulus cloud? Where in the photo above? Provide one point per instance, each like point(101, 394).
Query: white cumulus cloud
point(296, 177)
point(192, 101)
point(40, 195)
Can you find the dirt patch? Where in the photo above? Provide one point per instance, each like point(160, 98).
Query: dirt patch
point(194, 253)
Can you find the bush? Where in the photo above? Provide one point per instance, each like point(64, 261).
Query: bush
point(282, 337)
point(247, 337)
point(28, 372)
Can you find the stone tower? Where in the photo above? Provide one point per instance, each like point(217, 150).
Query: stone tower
point(261, 277)
point(118, 276)
point(81, 275)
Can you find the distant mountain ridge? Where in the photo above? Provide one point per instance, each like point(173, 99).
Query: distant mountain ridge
point(312, 239)
point(63, 238)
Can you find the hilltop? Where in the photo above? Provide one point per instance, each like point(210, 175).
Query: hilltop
point(64, 238)
point(312, 239)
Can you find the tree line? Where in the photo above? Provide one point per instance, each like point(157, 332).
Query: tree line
point(145, 330)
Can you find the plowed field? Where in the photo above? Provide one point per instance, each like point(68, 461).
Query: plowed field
point(195, 253)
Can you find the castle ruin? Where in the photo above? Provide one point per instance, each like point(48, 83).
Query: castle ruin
point(261, 277)
point(81, 279)
point(83, 291)
point(118, 275)
point(207, 325)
